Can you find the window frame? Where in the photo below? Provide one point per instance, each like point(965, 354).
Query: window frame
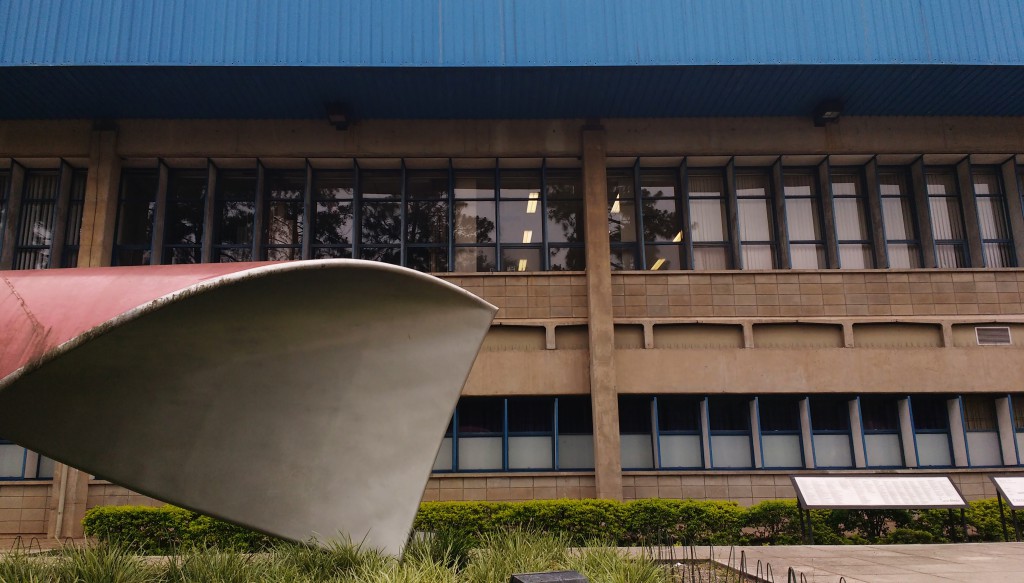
point(1001, 196)
point(819, 218)
point(960, 246)
point(860, 197)
point(906, 194)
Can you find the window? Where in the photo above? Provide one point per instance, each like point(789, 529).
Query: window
point(901, 239)
point(803, 217)
point(781, 439)
point(997, 247)
point(575, 433)
point(830, 431)
point(426, 221)
point(636, 431)
point(481, 422)
point(830, 414)
point(475, 222)
point(852, 231)
point(880, 419)
point(1018, 411)
point(709, 222)
point(663, 231)
point(679, 432)
point(5, 186)
point(38, 221)
point(729, 430)
point(947, 220)
point(73, 223)
point(980, 413)
point(234, 215)
point(622, 219)
point(283, 227)
point(531, 430)
point(879, 414)
point(930, 413)
point(564, 220)
point(380, 216)
point(521, 219)
point(186, 198)
point(753, 196)
point(333, 219)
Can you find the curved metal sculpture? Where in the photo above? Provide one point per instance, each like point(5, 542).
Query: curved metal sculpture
point(304, 399)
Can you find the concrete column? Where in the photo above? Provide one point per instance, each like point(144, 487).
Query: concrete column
point(99, 212)
point(705, 432)
point(1011, 185)
point(857, 434)
point(603, 393)
point(67, 503)
point(876, 223)
point(907, 434)
point(806, 435)
point(957, 433)
point(924, 222)
point(779, 205)
point(972, 227)
point(1007, 433)
point(755, 432)
point(9, 235)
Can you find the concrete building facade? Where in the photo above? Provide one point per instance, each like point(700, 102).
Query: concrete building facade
point(697, 297)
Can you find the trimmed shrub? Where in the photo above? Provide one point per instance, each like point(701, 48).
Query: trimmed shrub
point(155, 531)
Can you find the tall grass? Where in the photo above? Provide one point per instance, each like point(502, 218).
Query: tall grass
point(440, 558)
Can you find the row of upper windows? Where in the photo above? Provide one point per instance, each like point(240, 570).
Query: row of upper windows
point(498, 219)
point(811, 218)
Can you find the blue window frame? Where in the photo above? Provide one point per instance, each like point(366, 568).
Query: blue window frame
point(680, 439)
point(932, 439)
point(880, 421)
point(830, 431)
point(781, 437)
point(981, 430)
point(730, 439)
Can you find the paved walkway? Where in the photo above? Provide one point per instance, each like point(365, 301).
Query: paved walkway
point(968, 563)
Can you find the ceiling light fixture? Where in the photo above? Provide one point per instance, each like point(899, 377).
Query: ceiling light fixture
point(827, 112)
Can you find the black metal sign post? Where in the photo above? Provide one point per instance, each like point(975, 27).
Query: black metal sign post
point(1009, 488)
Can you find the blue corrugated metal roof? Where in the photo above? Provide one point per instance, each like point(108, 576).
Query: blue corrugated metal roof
point(508, 58)
point(509, 33)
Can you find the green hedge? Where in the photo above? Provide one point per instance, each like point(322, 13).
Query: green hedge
point(635, 523)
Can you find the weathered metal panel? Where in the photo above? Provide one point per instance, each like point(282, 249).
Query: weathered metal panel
point(516, 33)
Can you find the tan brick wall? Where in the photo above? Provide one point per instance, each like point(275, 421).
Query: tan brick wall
point(105, 494)
point(23, 508)
point(811, 294)
point(533, 296)
point(505, 488)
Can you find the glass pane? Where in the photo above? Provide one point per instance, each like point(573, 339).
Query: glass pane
point(240, 186)
point(575, 416)
point(565, 221)
point(381, 223)
point(802, 218)
point(904, 256)
point(830, 414)
point(980, 413)
point(177, 255)
point(285, 185)
point(893, 184)
point(481, 415)
point(987, 183)
point(474, 222)
point(879, 414)
point(657, 184)
point(755, 220)
point(998, 255)
point(474, 185)
point(930, 413)
point(133, 257)
point(186, 185)
point(524, 184)
point(520, 222)
point(567, 259)
point(898, 216)
point(946, 219)
point(392, 255)
point(779, 413)
point(752, 185)
point(426, 221)
point(706, 185)
point(992, 216)
point(284, 254)
point(623, 259)
point(475, 259)
point(950, 256)
point(635, 415)
point(711, 258)
point(941, 183)
point(729, 413)
point(564, 185)
point(845, 185)
point(427, 259)
point(621, 208)
point(32, 259)
point(663, 257)
point(333, 223)
point(758, 256)
point(531, 415)
point(382, 185)
point(427, 185)
point(184, 223)
point(235, 225)
point(138, 208)
point(284, 222)
point(805, 256)
point(678, 414)
point(855, 256)
point(233, 255)
point(800, 185)
point(851, 219)
point(37, 224)
point(333, 185)
point(332, 252)
point(661, 222)
point(707, 220)
point(513, 259)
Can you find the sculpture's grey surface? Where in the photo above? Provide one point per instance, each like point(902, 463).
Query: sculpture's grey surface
point(301, 399)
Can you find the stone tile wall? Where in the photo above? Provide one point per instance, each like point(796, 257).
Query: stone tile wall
point(105, 494)
point(532, 296)
point(23, 508)
point(502, 487)
point(810, 294)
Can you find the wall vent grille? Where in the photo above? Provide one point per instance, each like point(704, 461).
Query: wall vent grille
point(993, 335)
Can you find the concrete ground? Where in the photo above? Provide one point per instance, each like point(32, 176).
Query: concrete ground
point(973, 563)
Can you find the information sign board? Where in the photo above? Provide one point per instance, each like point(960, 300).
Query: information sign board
point(877, 492)
point(1012, 489)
